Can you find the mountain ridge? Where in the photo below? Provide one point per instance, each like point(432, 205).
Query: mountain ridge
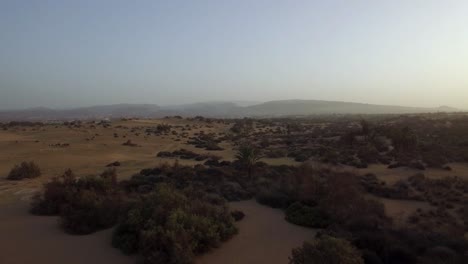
point(291, 107)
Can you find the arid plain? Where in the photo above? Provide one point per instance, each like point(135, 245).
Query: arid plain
point(87, 148)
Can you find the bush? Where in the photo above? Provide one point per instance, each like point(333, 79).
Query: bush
point(273, 199)
point(110, 175)
point(84, 205)
point(371, 257)
point(173, 226)
point(89, 212)
point(26, 170)
point(399, 254)
point(276, 153)
point(237, 215)
point(56, 193)
point(126, 238)
point(114, 164)
point(51, 200)
point(301, 157)
point(368, 154)
point(326, 250)
point(348, 206)
point(304, 215)
point(440, 255)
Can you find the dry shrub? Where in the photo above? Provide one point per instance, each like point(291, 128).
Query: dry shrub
point(26, 170)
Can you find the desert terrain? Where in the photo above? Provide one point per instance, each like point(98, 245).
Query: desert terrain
point(130, 145)
point(90, 149)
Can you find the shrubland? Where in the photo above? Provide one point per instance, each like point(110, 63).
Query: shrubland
point(172, 213)
point(173, 226)
point(417, 141)
point(156, 214)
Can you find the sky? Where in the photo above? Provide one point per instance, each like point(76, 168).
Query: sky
point(64, 54)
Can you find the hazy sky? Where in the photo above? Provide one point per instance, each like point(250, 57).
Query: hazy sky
point(74, 53)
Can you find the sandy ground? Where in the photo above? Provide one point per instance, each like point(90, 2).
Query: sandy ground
point(28, 239)
point(264, 237)
point(400, 210)
point(391, 176)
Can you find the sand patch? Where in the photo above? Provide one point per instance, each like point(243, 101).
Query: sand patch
point(391, 176)
point(400, 210)
point(28, 239)
point(7, 137)
point(264, 237)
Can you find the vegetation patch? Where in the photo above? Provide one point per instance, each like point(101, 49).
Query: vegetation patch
point(172, 226)
point(26, 170)
point(326, 249)
point(304, 215)
point(85, 205)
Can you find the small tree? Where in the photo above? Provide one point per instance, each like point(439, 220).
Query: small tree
point(326, 250)
point(248, 155)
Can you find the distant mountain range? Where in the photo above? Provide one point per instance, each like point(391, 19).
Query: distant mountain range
point(214, 109)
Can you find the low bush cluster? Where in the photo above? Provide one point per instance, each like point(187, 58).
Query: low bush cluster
point(320, 197)
point(338, 203)
point(84, 205)
point(164, 214)
point(273, 198)
point(187, 154)
point(173, 226)
point(324, 250)
point(237, 215)
point(160, 129)
point(205, 141)
point(304, 215)
point(26, 170)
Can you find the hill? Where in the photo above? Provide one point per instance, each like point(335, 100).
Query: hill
point(214, 109)
point(307, 107)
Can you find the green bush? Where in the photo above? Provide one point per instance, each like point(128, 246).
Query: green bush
point(273, 199)
point(276, 153)
point(308, 216)
point(55, 195)
point(89, 212)
point(368, 154)
point(173, 226)
point(126, 238)
point(399, 254)
point(326, 250)
point(84, 205)
point(237, 215)
point(26, 170)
